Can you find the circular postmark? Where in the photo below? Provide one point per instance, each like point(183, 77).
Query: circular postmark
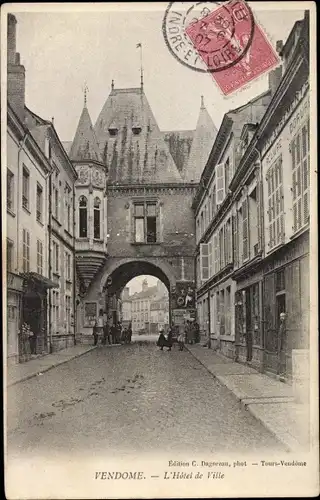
point(208, 36)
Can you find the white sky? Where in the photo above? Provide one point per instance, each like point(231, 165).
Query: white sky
point(61, 51)
point(135, 284)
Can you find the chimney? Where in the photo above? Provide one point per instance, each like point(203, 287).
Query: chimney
point(279, 46)
point(275, 76)
point(125, 293)
point(145, 285)
point(16, 72)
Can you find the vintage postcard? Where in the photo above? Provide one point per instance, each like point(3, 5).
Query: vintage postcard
point(159, 204)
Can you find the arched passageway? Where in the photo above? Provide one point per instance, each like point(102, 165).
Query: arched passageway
point(114, 283)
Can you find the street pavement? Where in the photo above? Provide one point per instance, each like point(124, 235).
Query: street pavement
point(130, 398)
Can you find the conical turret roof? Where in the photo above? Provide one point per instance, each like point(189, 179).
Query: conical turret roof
point(204, 137)
point(84, 146)
point(130, 141)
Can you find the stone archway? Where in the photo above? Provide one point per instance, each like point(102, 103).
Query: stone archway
point(130, 268)
point(121, 272)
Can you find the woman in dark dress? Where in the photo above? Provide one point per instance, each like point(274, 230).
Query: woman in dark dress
point(161, 340)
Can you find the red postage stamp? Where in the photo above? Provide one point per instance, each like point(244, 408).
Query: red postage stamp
point(232, 45)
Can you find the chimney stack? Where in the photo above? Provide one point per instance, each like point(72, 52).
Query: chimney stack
point(125, 293)
point(279, 46)
point(144, 285)
point(16, 72)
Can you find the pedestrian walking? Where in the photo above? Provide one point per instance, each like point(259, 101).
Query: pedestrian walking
point(129, 333)
point(196, 329)
point(113, 334)
point(161, 342)
point(95, 333)
point(181, 341)
point(106, 334)
point(118, 333)
point(170, 339)
point(189, 332)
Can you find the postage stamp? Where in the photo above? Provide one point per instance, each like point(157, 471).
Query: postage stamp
point(226, 41)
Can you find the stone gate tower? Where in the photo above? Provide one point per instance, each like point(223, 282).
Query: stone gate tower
point(137, 184)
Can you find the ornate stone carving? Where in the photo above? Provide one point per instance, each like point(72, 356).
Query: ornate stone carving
point(83, 175)
point(98, 178)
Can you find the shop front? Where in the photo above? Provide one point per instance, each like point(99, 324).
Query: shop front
point(34, 339)
point(286, 307)
point(14, 307)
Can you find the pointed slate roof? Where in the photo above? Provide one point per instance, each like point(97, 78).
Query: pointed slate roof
point(203, 140)
point(179, 143)
point(84, 145)
point(130, 141)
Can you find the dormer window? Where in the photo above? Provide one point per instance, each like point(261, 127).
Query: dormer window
point(136, 129)
point(113, 129)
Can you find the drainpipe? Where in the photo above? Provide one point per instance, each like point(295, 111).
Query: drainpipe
point(75, 317)
point(21, 146)
point(261, 286)
point(50, 260)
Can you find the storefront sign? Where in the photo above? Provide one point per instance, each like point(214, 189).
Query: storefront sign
point(183, 295)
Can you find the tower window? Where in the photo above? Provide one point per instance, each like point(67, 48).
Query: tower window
point(96, 218)
point(83, 212)
point(145, 222)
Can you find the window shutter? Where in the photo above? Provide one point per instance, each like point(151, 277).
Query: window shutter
point(259, 215)
point(225, 243)
point(245, 229)
point(210, 259)
point(204, 261)
point(220, 183)
point(235, 238)
point(216, 253)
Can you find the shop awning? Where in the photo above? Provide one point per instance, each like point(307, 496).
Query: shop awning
point(40, 280)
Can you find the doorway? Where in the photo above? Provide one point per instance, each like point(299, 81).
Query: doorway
point(282, 334)
point(32, 315)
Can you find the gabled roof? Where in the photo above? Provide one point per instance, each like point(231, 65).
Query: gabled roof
point(39, 129)
point(84, 145)
point(135, 150)
point(203, 140)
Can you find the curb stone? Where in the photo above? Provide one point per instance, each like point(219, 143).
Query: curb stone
point(44, 370)
point(244, 405)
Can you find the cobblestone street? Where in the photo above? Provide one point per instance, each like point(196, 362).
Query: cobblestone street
point(127, 398)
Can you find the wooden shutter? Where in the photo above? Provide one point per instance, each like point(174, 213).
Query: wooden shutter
point(235, 238)
point(259, 216)
point(210, 270)
point(204, 261)
point(245, 229)
point(216, 253)
point(220, 183)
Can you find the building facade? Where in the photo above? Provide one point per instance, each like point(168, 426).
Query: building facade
point(260, 295)
point(217, 218)
point(40, 229)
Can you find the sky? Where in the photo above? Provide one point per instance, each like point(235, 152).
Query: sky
point(63, 50)
point(135, 285)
